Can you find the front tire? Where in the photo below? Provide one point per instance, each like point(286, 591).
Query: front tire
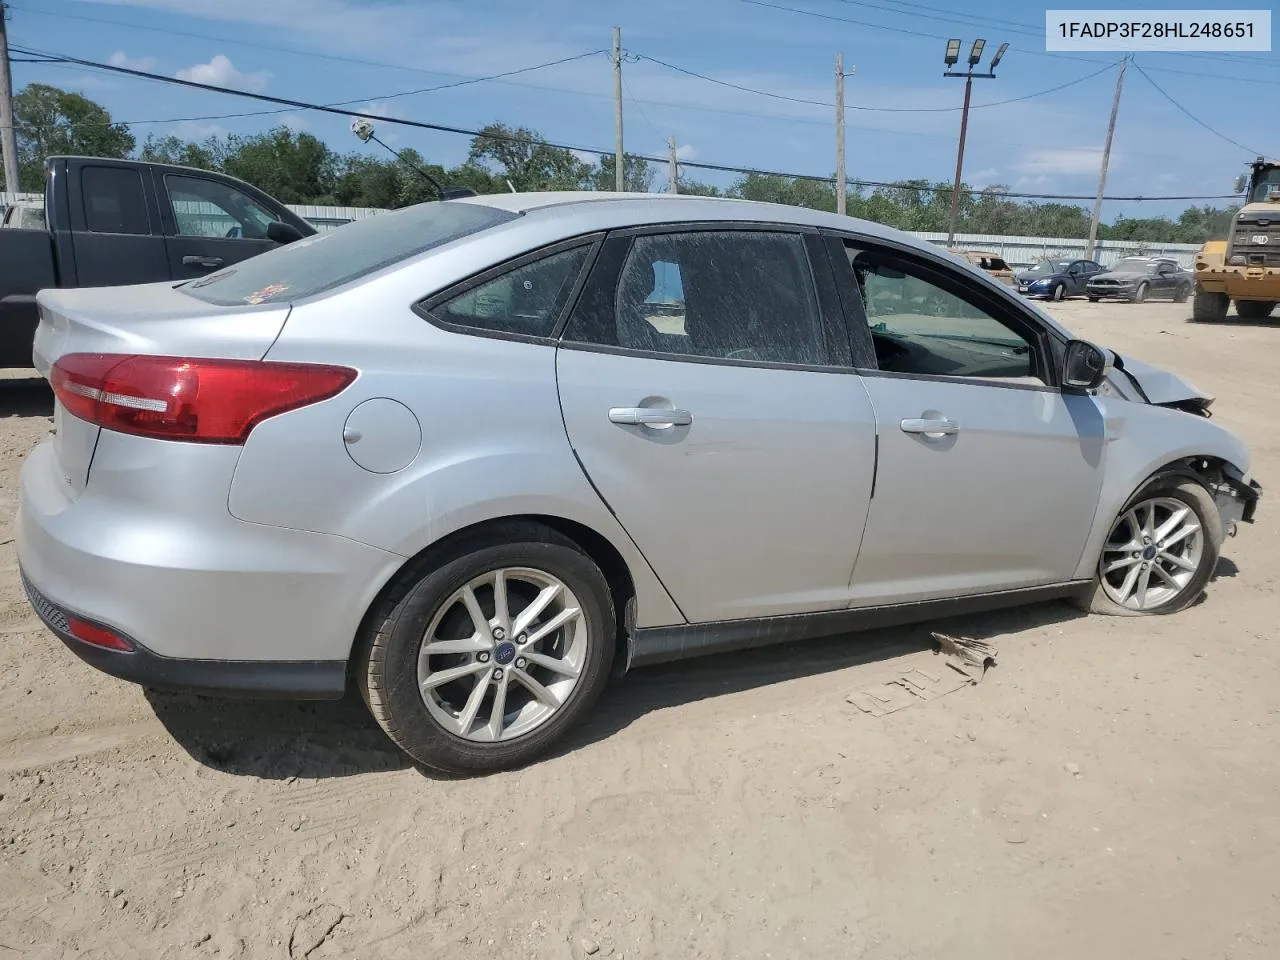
point(481, 660)
point(1182, 293)
point(1094, 299)
point(1140, 294)
point(1209, 307)
point(1059, 293)
point(1160, 553)
point(1254, 309)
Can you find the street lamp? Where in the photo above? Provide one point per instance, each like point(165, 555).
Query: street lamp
point(951, 58)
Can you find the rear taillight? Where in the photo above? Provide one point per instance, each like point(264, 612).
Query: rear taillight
point(184, 398)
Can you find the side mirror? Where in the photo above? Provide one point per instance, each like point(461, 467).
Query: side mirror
point(1240, 182)
point(1085, 366)
point(282, 232)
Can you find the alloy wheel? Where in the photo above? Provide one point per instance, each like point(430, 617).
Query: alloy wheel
point(502, 654)
point(1153, 553)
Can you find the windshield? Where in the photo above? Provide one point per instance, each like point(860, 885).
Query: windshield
point(327, 260)
point(1133, 265)
point(1266, 183)
point(1046, 268)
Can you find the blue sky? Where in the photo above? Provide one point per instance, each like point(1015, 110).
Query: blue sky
point(1048, 144)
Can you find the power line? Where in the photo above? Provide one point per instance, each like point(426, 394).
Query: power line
point(854, 106)
point(442, 128)
point(1192, 116)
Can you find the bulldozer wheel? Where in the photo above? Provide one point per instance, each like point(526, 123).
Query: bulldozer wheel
point(1254, 309)
point(1210, 307)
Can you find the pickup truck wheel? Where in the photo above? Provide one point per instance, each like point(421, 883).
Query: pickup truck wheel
point(1254, 309)
point(1209, 307)
point(1140, 294)
point(1160, 553)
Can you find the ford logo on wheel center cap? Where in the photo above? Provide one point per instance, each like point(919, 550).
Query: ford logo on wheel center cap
point(505, 653)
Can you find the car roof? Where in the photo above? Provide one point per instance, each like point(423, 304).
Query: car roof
point(625, 209)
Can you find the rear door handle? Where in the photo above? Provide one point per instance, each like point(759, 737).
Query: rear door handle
point(207, 262)
point(650, 416)
point(931, 428)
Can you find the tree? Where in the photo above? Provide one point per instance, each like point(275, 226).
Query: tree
point(292, 167)
point(636, 175)
point(49, 121)
point(175, 150)
point(695, 188)
point(770, 188)
point(529, 162)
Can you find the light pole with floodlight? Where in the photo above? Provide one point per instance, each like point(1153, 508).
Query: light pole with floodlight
point(951, 59)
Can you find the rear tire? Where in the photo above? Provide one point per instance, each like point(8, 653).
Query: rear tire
point(1140, 294)
point(459, 725)
point(1210, 307)
point(1254, 309)
point(1156, 595)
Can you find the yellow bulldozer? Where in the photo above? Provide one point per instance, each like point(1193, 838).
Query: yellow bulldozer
point(1244, 268)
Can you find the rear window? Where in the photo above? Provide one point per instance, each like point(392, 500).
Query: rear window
point(307, 267)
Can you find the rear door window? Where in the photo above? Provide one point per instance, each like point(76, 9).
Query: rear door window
point(307, 267)
point(114, 201)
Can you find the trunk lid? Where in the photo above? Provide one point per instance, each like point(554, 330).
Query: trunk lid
point(153, 319)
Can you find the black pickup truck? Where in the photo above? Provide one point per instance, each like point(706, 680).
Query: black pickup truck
point(111, 222)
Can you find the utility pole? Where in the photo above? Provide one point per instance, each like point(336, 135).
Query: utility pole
point(1106, 158)
point(619, 162)
point(840, 185)
point(8, 137)
point(951, 59)
point(673, 171)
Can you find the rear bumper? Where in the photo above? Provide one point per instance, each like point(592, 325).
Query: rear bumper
point(209, 602)
point(257, 679)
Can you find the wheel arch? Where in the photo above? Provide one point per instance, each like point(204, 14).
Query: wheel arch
point(1209, 469)
point(603, 552)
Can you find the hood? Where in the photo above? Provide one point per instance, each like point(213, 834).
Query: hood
point(1121, 275)
point(1037, 277)
point(1160, 387)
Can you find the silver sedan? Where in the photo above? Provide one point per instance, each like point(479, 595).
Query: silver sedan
point(474, 456)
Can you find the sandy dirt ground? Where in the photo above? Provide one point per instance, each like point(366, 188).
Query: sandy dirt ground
point(1108, 790)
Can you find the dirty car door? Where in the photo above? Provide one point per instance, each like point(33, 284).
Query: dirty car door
point(210, 224)
point(706, 391)
point(988, 474)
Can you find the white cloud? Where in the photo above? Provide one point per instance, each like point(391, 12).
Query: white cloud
point(121, 59)
point(982, 178)
point(221, 72)
point(1065, 161)
point(195, 131)
point(380, 108)
point(294, 121)
point(686, 151)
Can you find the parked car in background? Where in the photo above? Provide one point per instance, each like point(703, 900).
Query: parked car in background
point(126, 221)
point(1057, 279)
point(990, 261)
point(1137, 278)
point(460, 455)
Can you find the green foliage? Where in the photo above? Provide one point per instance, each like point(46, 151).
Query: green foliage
point(49, 122)
point(299, 168)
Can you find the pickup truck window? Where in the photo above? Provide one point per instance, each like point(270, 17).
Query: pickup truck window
point(114, 201)
point(207, 208)
point(327, 260)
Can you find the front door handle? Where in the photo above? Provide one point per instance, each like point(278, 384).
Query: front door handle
point(933, 429)
point(650, 416)
point(208, 263)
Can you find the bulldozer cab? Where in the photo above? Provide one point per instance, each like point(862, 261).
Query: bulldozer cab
point(1263, 182)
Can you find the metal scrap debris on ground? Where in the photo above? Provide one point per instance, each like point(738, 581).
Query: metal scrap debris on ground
point(966, 660)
